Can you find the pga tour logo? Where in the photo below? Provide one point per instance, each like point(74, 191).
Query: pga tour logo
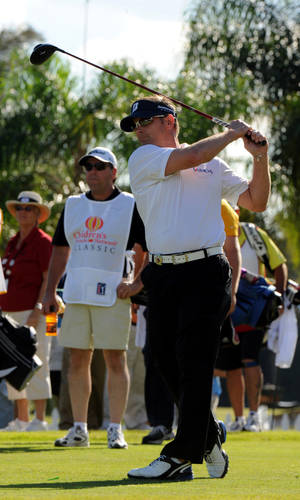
point(101, 287)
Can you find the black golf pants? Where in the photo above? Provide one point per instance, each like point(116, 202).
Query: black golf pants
point(187, 306)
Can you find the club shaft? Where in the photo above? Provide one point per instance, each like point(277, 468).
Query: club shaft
point(144, 87)
point(148, 89)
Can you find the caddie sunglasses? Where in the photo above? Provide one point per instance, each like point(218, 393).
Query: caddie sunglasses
point(98, 166)
point(28, 208)
point(143, 122)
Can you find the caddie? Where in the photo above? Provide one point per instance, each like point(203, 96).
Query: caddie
point(93, 239)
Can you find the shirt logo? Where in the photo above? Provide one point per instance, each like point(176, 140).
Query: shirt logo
point(203, 170)
point(90, 231)
point(94, 223)
point(101, 288)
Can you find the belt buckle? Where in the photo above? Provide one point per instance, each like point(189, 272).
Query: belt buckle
point(175, 256)
point(158, 260)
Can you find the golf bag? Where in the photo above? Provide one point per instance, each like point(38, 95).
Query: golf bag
point(18, 362)
point(257, 302)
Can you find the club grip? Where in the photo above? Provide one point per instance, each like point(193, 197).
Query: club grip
point(261, 143)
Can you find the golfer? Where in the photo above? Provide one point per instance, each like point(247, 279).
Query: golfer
point(178, 191)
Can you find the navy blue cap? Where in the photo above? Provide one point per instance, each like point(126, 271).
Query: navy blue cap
point(145, 109)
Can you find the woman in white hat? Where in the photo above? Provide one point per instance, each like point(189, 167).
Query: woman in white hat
point(25, 266)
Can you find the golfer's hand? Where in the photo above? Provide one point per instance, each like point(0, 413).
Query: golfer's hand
point(238, 128)
point(254, 145)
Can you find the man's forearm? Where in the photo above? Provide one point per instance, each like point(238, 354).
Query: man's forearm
point(233, 254)
point(57, 266)
point(281, 277)
point(260, 185)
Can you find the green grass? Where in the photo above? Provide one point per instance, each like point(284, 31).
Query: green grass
point(262, 466)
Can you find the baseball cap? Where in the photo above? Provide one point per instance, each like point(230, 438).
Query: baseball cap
point(102, 154)
point(145, 109)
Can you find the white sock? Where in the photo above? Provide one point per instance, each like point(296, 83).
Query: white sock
point(23, 422)
point(82, 425)
point(115, 426)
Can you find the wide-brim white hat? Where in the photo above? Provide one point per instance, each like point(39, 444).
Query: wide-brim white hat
point(29, 198)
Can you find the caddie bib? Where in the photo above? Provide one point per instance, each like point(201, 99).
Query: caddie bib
point(97, 232)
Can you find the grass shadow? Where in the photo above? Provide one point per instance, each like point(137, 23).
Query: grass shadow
point(77, 485)
point(22, 449)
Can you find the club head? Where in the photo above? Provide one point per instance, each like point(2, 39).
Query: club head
point(42, 52)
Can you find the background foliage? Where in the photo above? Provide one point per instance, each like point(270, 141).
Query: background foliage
point(244, 55)
point(242, 59)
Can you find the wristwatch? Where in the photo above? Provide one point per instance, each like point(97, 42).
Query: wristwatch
point(38, 306)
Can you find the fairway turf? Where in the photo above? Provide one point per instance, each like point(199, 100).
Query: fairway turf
point(262, 466)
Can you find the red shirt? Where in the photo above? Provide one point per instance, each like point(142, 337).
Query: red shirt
point(24, 269)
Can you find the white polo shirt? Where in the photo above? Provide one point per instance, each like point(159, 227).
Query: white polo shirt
point(182, 211)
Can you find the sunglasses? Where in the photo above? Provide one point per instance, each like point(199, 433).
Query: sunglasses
point(98, 166)
point(28, 208)
point(146, 121)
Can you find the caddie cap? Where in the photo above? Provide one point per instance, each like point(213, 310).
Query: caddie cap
point(102, 154)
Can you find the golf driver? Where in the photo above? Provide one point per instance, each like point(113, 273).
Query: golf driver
point(43, 51)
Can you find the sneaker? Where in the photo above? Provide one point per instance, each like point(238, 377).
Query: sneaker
point(164, 468)
point(217, 461)
point(115, 438)
point(253, 423)
point(157, 435)
point(37, 425)
point(15, 426)
point(238, 425)
point(76, 437)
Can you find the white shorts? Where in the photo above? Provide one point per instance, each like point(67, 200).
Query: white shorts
point(39, 386)
point(96, 327)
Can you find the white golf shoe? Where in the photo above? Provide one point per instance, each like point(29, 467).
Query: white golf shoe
point(164, 468)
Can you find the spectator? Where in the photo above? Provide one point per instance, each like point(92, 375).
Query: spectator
point(135, 416)
point(241, 362)
point(6, 406)
point(25, 266)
